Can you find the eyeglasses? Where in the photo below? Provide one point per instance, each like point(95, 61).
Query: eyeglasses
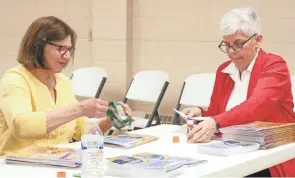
point(63, 49)
point(236, 46)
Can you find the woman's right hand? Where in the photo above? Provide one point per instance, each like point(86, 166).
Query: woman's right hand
point(93, 107)
point(192, 112)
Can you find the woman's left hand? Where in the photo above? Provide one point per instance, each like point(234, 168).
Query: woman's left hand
point(203, 131)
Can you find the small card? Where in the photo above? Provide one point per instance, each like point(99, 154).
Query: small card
point(185, 117)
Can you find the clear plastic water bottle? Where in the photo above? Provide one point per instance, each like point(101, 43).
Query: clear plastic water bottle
point(92, 151)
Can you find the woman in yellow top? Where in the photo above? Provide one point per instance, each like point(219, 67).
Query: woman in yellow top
point(37, 101)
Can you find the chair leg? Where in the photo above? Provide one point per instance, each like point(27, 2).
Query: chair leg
point(111, 132)
point(157, 104)
point(151, 118)
point(158, 120)
point(176, 120)
point(137, 128)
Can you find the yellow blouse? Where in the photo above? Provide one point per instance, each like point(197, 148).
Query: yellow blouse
point(24, 101)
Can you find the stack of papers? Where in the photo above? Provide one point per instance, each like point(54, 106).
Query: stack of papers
point(50, 156)
point(268, 135)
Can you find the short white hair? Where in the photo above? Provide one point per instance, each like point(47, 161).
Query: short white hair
point(244, 20)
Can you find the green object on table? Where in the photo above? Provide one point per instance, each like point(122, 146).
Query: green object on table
point(77, 175)
point(118, 116)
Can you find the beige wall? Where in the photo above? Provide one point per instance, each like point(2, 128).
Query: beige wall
point(181, 36)
point(177, 36)
point(17, 15)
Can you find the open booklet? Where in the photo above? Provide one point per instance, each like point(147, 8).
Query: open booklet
point(149, 164)
point(128, 140)
point(50, 156)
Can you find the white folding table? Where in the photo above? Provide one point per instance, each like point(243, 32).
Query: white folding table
point(237, 166)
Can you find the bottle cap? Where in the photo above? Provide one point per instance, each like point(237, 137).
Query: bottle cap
point(100, 146)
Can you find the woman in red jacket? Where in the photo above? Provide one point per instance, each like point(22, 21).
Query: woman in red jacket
point(252, 86)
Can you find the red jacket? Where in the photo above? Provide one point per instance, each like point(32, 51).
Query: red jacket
point(269, 98)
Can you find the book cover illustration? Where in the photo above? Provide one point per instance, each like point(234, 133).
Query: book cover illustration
point(229, 144)
point(153, 161)
point(47, 155)
point(145, 163)
point(184, 160)
point(129, 140)
point(54, 153)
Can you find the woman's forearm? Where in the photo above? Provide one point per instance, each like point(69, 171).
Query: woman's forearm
point(58, 117)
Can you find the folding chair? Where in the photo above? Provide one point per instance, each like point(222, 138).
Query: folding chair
point(150, 87)
point(89, 81)
point(196, 91)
